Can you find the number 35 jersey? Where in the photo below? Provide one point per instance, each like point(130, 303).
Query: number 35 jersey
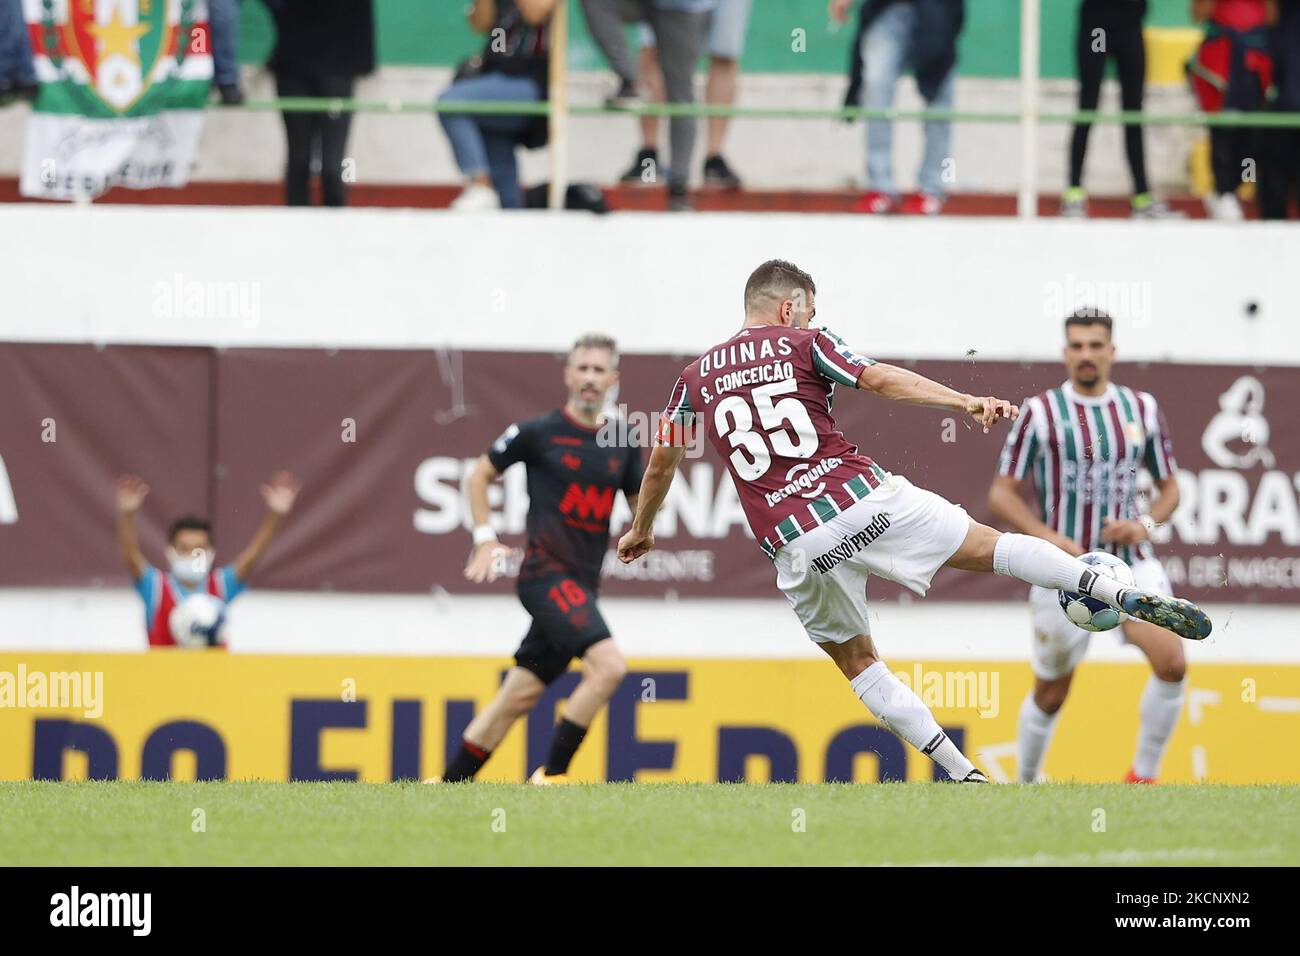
point(764, 398)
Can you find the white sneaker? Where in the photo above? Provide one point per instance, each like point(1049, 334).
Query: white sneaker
point(476, 198)
point(1226, 207)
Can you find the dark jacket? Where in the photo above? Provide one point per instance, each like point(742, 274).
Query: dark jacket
point(934, 43)
point(1286, 56)
point(324, 37)
point(524, 50)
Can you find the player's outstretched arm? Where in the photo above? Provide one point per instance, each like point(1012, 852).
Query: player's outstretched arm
point(279, 494)
point(1007, 503)
point(131, 492)
point(909, 388)
point(654, 489)
point(487, 557)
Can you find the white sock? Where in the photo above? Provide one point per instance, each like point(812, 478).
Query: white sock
point(1035, 734)
point(1162, 702)
point(1040, 562)
point(898, 708)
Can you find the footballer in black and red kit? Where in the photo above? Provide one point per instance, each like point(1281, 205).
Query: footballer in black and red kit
point(574, 475)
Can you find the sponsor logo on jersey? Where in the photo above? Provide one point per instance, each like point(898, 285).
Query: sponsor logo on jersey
point(804, 482)
point(572, 462)
point(852, 544)
point(587, 502)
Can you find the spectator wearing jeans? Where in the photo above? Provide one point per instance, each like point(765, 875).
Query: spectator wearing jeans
point(1111, 29)
point(895, 36)
point(320, 51)
point(17, 69)
point(728, 25)
point(514, 67)
point(680, 27)
point(223, 17)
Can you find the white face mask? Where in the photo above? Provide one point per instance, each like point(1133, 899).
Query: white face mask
point(190, 568)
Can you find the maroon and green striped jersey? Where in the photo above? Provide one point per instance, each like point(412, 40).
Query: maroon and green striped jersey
point(764, 398)
point(1083, 454)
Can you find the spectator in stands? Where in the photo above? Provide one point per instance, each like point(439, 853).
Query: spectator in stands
point(894, 36)
point(191, 567)
point(1279, 150)
point(1111, 29)
point(17, 69)
point(728, 25)
point(320, 50)
point(515, 67)
point(679, 27)
point(1232, 70)
point(223, 18)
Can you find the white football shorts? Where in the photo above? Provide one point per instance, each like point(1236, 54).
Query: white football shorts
point(899, 531)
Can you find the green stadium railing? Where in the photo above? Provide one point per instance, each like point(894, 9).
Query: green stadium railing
point(1263, 119)
point(1028, 117)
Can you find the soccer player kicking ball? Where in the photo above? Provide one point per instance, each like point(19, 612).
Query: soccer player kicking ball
point(828, 516)
point(1082, 445)
point(572, 480)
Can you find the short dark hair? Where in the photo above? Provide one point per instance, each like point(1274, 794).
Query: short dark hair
point(189, 523)
point(1091, 315)
point(776, 277)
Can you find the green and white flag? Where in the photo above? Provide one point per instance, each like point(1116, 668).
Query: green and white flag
point(123, 84)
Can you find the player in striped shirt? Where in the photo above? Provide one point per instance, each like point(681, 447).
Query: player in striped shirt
point(826, 515)
point(1080, 447)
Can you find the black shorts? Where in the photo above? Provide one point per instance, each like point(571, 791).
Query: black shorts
point(566, 622)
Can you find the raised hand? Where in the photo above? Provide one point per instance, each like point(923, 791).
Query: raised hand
point(281, 492)
point(131, 492)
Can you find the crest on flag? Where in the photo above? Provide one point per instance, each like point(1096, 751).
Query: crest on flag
point(123, 84)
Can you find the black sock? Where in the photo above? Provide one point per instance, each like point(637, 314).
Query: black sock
point(564, 745)
point(467, 762)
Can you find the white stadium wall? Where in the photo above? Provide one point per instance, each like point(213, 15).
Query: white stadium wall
point(379, 278)
point(952, 288)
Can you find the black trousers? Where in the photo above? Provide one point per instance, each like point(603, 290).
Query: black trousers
point(1279, 171)
point(1120, 39)
point(315, 134)
point(1230, 147)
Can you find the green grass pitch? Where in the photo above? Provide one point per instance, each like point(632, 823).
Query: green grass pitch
point(137, 823)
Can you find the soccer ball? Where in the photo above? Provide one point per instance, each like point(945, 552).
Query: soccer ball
point(197, 621)
point(1087, 612)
